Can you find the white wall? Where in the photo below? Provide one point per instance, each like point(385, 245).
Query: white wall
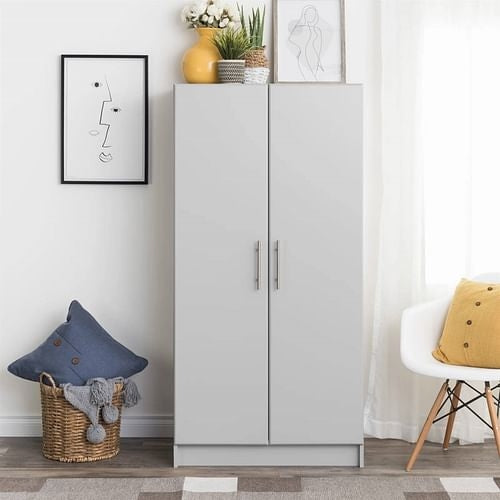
point(108, 246)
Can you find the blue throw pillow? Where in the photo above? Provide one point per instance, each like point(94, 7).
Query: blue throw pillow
point(77, 350)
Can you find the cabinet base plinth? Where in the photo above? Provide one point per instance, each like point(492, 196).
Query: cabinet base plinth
point(272, 455)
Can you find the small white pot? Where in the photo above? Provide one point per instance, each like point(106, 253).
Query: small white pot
point(256, 75)
point(231, 70)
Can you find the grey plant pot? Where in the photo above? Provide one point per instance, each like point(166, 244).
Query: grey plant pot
point(231, 70)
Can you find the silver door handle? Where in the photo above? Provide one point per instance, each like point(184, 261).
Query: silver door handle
point(278, 265)
point(258, 279)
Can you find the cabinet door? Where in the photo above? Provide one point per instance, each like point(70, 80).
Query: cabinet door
point(221, 212)
point(316, 215)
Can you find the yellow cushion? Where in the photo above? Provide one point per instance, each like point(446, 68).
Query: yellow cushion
point(471, 334)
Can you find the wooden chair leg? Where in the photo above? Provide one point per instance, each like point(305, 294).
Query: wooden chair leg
point(451, 418)
point(493, 414)
point(427, 425)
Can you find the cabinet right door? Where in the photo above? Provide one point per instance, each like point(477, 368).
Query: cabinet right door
point(316, 191)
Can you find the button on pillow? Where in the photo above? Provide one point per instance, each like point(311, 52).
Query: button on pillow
point(471, 334)
point(77, 350)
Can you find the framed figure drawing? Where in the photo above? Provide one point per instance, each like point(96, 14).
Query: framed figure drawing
point(309, 43)
point(104, 119)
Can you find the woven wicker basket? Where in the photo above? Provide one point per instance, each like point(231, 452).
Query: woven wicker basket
point(65, 427)
point(256, 58)
point(256, 75)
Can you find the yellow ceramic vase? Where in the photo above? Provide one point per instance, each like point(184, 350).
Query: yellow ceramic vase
point(200, 61)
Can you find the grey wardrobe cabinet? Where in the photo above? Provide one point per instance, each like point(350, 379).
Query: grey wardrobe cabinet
point(268, 274)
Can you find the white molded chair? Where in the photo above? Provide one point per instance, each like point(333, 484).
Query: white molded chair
point(421, 328)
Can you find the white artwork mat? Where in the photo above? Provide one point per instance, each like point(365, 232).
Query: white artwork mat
point(309, 40)
point(104, 119)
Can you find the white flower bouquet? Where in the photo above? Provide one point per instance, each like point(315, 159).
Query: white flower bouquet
point(209, 14)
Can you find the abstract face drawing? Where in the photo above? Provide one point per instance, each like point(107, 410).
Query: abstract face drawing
point(104, 103)
point(108, 112)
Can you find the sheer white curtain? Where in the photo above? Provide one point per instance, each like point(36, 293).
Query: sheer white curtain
point(440, 161)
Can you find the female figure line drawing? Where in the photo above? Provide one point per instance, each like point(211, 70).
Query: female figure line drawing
point(307, 39)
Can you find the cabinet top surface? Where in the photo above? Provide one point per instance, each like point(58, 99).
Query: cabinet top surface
point(287, 84)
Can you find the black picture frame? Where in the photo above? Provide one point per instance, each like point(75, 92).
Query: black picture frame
point(145, 58)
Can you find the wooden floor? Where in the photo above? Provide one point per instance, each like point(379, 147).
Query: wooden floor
point(21, 457)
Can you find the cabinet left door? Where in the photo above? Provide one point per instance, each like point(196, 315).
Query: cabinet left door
point(221, 292)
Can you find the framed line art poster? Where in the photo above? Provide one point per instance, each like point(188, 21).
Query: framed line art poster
point(309, 41)
point(104, 119)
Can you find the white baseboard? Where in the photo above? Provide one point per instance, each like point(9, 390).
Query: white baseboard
point(133, 426)
point(20, 426)
point(148, 426)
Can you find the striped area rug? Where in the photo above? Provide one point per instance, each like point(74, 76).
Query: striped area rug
point(220, 488)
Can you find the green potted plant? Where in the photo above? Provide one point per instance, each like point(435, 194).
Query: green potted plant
point(233, 45)
point(256, 62)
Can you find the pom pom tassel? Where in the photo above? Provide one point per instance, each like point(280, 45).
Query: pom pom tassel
point(110, 414)
point(96, 433)
point(131, 394)
point(100, 394)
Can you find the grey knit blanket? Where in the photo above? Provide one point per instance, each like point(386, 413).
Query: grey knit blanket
point(96, 397)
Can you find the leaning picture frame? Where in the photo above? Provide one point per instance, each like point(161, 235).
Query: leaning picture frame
point(309, 41)
point(104, 119)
